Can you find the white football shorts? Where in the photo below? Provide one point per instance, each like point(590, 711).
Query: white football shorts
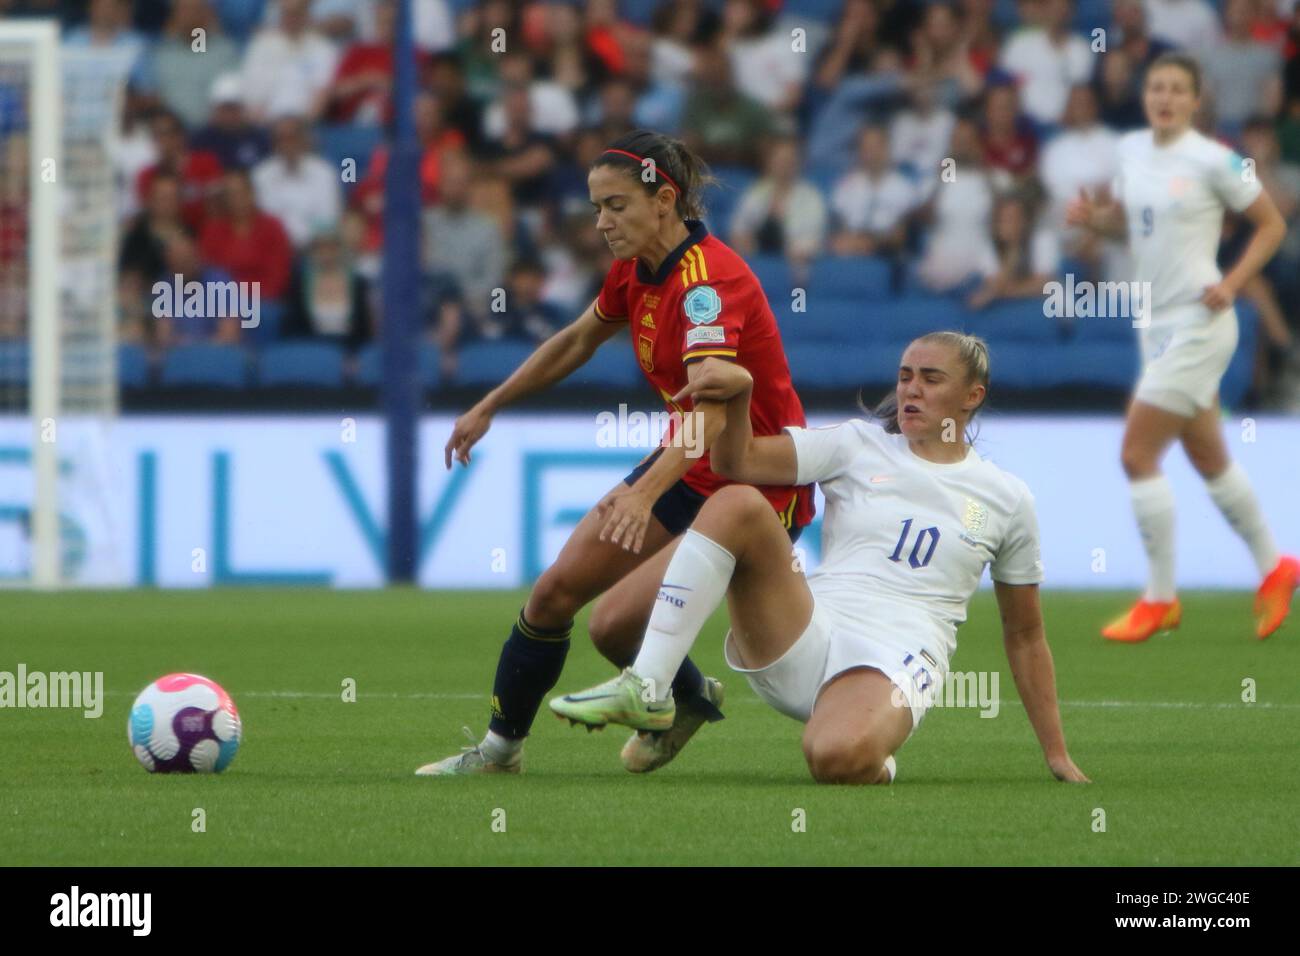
point(832, 644)
point(1185, 352)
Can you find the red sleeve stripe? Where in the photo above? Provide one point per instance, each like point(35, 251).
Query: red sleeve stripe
point(600, 314)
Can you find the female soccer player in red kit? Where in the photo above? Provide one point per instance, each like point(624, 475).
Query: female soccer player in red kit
point(686, 300)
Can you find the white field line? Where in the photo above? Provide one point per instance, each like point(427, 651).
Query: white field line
point(1130, 704)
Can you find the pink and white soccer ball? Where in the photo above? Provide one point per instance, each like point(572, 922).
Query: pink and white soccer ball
point(184, 723)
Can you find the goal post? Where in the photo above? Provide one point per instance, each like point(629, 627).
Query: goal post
point(59, 113)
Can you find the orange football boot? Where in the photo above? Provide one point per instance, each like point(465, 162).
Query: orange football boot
point(1273, 599)
point(1144, 619)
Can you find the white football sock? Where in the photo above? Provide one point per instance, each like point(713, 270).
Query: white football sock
point(1235, 497)
point(501, 749)
point(693, 587)
point(1153, 506)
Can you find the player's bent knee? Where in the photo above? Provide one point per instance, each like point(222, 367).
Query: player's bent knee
point(554, 600)
point(1136, 461)
point(733, 504)
point(615, 636)
point(842, 760)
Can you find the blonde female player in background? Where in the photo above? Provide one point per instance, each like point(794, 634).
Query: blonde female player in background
point(857, 649)
point(1171, 192)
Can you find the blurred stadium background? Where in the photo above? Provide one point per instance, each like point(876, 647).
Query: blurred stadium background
point(221, 454)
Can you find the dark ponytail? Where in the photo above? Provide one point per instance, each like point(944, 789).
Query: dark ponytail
point(679, 166)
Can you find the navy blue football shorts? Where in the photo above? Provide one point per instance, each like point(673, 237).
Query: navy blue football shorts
point(677, 507)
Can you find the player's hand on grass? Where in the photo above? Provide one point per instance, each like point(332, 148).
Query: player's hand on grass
point(1063, 769)
point(717, 382)
point(626, 513)
point(469, 428)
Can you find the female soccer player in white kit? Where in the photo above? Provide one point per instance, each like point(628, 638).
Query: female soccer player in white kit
point(858, 649)
point(1172, 189)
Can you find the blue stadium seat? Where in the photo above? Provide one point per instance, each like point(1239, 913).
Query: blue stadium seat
point(1114, 364)
point(240, 18)
point(345, 141)
point(15, 363)
point(370, 366)
point(1013, 320)
point(1104, 329)
point(488, 363)
point(1090, 14)
point(721, 199)
point(132, 366)
point(1111, 365)
point(828, 11)
point(1015, 365)
point(1237, 379)
point(638, 12)
point(1005, 14)
point(269, 319)
point(917, 313)
point(773, 274)
point(302, 363)
point(855, 277)
point(826, 320)
point(370, 362)
point(824, 178)
point(890, 324)
point(614, 365)
point(215, 366)
point(830, 365)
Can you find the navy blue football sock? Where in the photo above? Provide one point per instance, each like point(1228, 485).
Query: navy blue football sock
point(530, 665)
point(688, 687)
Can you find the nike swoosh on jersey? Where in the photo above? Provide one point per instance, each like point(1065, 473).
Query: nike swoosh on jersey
point(877, 479)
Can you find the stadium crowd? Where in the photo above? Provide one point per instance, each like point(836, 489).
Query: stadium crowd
point(258, 151)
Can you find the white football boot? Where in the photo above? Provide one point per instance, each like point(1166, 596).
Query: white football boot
point(648, 750)
point(471, 760)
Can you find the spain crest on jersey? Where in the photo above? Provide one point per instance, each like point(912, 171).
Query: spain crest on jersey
point(645, 352)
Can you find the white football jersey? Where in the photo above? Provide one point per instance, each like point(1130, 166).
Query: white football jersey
point(1174, 197)
point(906, 540)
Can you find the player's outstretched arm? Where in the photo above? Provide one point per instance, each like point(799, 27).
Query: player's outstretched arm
point(1031, 667)
point(626, 510)
point(1102, 214)
point(736, 453)
point(553, 360)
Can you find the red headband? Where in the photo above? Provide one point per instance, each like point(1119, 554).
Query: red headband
point(641, 160)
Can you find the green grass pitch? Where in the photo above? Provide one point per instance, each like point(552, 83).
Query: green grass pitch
point(1186, 773)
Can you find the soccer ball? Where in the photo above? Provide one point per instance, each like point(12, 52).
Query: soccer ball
point(184, 723)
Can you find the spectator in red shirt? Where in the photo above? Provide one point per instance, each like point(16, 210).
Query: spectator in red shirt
point(436, 140)
point(361, 91)
point(363, 82)
point(199, 171)
point(13, 233)
point(245, 241)
point(1010, 147)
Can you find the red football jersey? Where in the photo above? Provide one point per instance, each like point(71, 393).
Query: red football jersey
point(703, 301)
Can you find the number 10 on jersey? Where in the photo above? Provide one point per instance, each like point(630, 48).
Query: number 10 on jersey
point(926, 539)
